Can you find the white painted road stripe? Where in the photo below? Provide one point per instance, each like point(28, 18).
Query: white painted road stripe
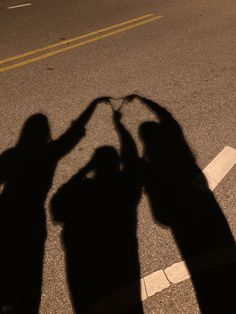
point(177, 272)
point(220, 166)
point(123, 299)
point(19, 6)
point(156, 282)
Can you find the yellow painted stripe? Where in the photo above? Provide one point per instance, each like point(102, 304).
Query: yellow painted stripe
point(53, 53)
point(32, 52)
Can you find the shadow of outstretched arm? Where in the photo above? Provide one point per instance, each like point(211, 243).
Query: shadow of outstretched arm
point(158, 110)
point(67, 141)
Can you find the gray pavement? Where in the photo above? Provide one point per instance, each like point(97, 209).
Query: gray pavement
point(184, 61)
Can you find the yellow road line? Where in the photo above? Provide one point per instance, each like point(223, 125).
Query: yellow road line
point(32, 52)
point(53, 53)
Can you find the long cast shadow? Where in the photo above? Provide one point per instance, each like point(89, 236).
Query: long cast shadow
point(26, 173)
point(97, 208)
point(193, 215)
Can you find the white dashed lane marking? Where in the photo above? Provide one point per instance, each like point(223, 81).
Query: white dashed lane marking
point(156, 282)
point(177, 272)
point(220, 166)
point(161, 279)
point(19, 6)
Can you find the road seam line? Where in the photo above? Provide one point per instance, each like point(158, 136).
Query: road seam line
point(145, 287)
point(177, 272)
point(156, 282)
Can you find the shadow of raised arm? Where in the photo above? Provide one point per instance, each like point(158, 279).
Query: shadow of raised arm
point(68, 140)
point(158, 110)
point(129, 154)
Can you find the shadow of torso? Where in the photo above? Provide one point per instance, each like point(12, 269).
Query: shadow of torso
point(99, 216)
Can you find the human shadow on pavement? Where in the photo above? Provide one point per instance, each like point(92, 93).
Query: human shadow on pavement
point(26, 174)
point(97, 209)
point(190, 210)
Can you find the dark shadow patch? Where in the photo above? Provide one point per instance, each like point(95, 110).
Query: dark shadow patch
point(26, 173)
point(98, 210)
point(193, 215)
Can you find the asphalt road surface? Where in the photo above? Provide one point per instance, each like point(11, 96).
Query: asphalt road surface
point(56, 57)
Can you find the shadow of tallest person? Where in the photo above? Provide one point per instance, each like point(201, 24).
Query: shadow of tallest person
point(26, 173)
point(193, 215)
point(98, 210)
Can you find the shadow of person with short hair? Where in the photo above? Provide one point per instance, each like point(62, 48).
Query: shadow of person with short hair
point(98, 210)
point(26, 174)
point(190, 211)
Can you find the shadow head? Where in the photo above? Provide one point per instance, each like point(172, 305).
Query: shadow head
point(106, 161)
point(36, 131)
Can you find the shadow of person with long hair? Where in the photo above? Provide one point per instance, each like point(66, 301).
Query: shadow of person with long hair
point(26, 174)
point(97, 208)
point(190, 211)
